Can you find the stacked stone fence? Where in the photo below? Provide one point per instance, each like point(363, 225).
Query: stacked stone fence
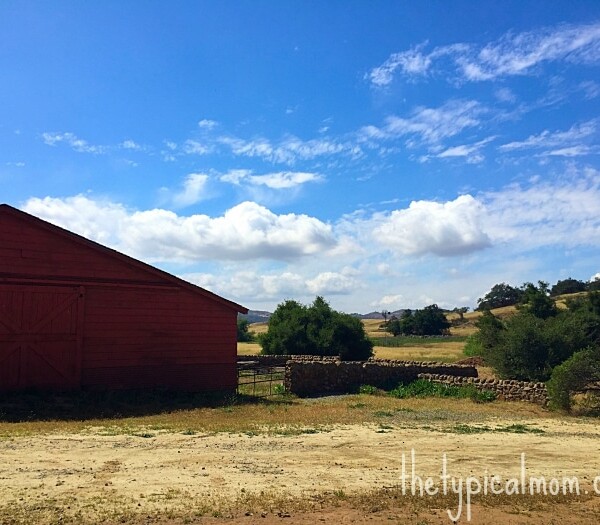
point(281, 360)
point(330, 376)
point(506, 389)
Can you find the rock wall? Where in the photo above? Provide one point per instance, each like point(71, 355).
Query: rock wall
point(281, 360)
point(328, 376)
point(506, 389)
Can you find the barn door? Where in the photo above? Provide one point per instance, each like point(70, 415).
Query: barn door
point(41, 335)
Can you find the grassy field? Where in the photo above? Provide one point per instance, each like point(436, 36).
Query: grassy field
point(404, 348)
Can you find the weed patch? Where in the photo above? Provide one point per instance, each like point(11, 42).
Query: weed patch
point(424, 388)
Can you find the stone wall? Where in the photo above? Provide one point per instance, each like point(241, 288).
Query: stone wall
point(281, 360)
point(506, 389)
point(328, 376)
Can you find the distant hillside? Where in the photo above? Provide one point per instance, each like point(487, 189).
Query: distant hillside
point(377, 315)
point(256, 316)
point(261, 316)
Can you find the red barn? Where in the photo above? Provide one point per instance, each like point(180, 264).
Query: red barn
point(74, 313)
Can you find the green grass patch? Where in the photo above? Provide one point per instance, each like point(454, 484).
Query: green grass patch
point(517, 428)
point(424, 388)
point(412, 340)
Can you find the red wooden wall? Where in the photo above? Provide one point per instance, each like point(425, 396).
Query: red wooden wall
point(73, 313)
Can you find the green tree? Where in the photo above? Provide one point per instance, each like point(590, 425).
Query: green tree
point(430, 321)
point(490, 330)
point(461, 311)
point(529, 347)
point(394, 327)
point(243, 335)
point(566, 286)
point(537, 300)
point(572, 376)
point(296, 329)
point(500, 295)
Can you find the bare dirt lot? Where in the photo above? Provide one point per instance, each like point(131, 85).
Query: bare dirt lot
point(338, 473)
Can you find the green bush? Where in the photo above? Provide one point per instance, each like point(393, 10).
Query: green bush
point(572, 376)
point(243, 335)
point(473, 346)
point(425, 388)
point(527, 347)
point(296, 329)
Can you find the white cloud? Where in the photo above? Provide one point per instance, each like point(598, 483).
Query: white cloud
point(275, 181)
point(288, 150)
point(571, 151)
point(130, 144)
point(563, 212)
point(194, 190)
point(332, 283)
point(512, 54)
point(79, 145)
point(472, 152)
point(517, 54)
point(443, 229)
point(548, 139)
point(431, 125)
point(246, 231)
point(387, 301)
point(99, 220)
point(595, 277)
point(504, 94)
point(207, 124)
point(590, 89)
point(193, 147)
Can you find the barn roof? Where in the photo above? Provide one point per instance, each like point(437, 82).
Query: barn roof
point(142, 266)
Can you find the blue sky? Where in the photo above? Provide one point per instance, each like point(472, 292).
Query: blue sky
point(382, 154)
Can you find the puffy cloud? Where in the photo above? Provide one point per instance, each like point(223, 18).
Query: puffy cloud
point(246, 231)
point(99, 220)
point(332, 283)
point(444, 229)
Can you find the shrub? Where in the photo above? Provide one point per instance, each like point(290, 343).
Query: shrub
point(425, 388)
point(243, 335)
point(368, 389)
point(572, 376)
point(473, 346)
point(295, 329)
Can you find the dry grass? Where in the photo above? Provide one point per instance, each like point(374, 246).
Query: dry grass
point(258, 328)
point(446, 352)
point(285, 414)
point(248, 349)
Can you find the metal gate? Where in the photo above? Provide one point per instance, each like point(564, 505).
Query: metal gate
point(259, 380)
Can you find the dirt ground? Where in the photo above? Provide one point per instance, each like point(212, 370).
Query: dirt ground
point(343, 474)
